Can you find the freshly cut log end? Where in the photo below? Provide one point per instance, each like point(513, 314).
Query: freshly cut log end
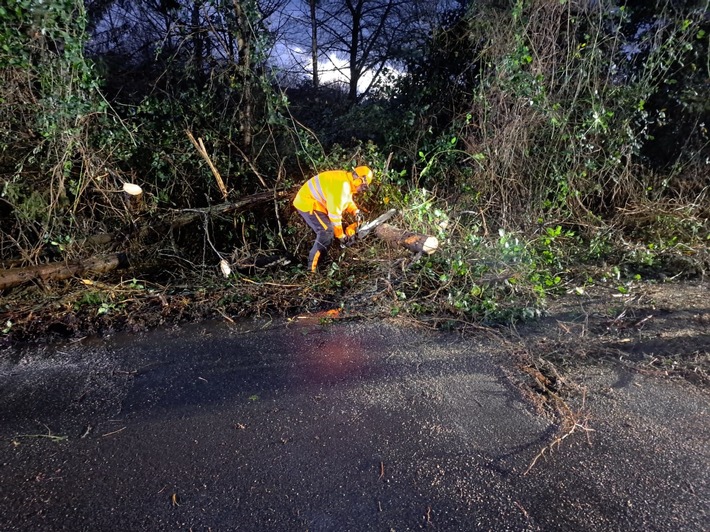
point(415, 242)
point(132, 189)
point(133, 197)
point(430, 245)
point(225, 267)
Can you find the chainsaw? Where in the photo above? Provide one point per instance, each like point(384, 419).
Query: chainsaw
point(366, 229)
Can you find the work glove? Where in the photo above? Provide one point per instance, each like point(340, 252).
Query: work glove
point(359, 218)
point(351, 229)
point(345, 241)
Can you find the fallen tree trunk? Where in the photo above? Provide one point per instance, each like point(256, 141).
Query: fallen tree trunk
point(164, 223)
point(183, 217)
point(61, 270)
point(161, 225)
point(414, 242)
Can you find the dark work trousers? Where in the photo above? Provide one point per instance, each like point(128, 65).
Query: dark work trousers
point(323, 227)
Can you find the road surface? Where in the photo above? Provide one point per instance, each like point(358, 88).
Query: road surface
point(314, 426)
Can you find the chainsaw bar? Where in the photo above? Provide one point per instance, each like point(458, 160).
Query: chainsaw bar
point(365, 229)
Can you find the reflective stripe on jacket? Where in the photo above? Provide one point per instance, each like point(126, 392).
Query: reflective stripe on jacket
point(330, 192)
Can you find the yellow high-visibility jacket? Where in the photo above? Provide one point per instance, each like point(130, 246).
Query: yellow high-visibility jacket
point(331, 193)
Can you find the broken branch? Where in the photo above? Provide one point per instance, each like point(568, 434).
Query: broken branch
point(200, 147)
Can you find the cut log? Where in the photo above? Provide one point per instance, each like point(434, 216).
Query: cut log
point(161, 224)
point(133, 197)
point(61, 270)
point(414, 242)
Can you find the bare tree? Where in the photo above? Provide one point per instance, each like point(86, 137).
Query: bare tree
point(358, 39)
point(200, 37)
point(314, 41)
point(363, 32)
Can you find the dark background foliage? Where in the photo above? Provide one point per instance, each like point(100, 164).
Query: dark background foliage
point(533, 132)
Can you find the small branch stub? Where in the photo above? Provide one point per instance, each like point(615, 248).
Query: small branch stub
point(132, 189)
point(226, 269)
point(133, 196)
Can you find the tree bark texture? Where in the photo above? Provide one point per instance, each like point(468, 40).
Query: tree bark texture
point(245, 45)
point(61, 270)
point(314, 43)
point(414, 242)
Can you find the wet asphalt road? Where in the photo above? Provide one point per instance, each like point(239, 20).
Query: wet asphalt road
point(355, 426)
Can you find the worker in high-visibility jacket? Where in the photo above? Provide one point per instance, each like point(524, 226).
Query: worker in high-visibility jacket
point(322, 201)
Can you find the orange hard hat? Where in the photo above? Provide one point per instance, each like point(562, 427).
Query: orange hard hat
point(364, 175)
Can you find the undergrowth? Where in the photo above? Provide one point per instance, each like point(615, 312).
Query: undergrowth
point(546, 146)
